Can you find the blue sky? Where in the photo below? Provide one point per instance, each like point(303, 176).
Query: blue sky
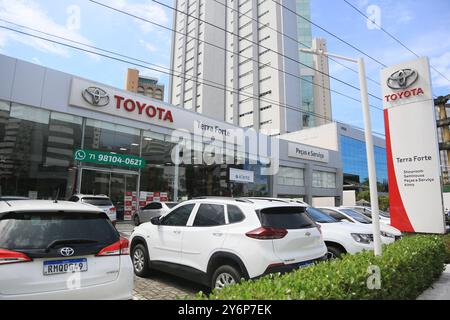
point(422, 25)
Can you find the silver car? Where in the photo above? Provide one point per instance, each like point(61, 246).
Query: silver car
point(102, 202)
point(151, 210)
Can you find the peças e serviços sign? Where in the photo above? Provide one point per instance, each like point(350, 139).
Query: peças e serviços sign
point(108, 158)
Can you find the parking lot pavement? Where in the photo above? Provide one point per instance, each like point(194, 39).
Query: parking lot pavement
point(440, 290)
point(159, 286)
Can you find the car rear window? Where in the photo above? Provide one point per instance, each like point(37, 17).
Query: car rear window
point(101, 202)
point(37, 230)
point(285, 218)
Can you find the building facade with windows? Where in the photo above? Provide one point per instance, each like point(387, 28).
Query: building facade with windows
point(60, 134)
point(350, 143)
point(315, 96)
point(146, 86)
point(243, 84)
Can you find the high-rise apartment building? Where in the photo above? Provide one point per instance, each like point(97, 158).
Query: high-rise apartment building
point(245, 84)
point(316, 100)
point(322, 96)
point(146, 86)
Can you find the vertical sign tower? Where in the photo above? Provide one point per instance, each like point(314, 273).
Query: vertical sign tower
point(415, 188)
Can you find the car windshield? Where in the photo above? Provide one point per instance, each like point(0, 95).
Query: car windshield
point(171, 204)
point(286, 218)
point(37, 230)
point(381, 213)
point(319, 216)
point(100, 202)
point(357, 216)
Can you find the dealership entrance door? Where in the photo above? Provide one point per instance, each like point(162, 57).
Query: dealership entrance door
point(113, 183)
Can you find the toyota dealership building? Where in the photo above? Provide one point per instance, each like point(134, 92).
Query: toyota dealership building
point(60, 134)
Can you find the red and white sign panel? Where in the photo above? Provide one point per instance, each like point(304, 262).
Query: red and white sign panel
point(415, 191)
point(144, 199)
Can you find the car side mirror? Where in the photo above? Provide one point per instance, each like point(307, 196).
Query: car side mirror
point(156, 221)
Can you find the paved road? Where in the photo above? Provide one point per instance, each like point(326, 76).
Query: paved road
point(440, 290)
point(160, 286)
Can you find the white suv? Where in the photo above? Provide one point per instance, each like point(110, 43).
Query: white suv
point(100, 201)
point(389, 234)
point(219, 241)
point(59, 251)
point(340, 236)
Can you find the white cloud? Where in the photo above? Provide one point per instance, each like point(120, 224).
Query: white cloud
point(148, 10)
point(28, 13)
point(148, 46)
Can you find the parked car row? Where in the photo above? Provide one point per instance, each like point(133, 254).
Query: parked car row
point(71, 250)
point(218, 241)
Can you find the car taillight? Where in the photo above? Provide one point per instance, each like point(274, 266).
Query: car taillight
point(267, 233)
point(7, 256)
point(121, 247)
point(113, 209)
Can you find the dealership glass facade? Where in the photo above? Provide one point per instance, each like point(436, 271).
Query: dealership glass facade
point(354, 159)
point(36, 160)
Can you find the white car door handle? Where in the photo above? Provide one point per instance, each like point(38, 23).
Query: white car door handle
point(217, 234)
point(177, 231)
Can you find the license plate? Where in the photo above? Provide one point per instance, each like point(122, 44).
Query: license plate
point(65, 266)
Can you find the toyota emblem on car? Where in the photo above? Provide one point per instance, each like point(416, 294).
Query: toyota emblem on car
point(96, 96)
point(403, 79)
point(67, 252)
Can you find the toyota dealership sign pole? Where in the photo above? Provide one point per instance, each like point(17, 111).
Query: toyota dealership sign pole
point(415, 190)
point(369, 144)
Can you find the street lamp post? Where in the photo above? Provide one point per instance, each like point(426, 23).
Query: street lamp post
point(369, 143)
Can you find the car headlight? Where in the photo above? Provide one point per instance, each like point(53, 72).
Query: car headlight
point(362, 238)
point(387, 235)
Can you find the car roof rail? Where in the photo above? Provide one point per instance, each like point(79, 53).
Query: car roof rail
point(240, 199)
point(268, 199)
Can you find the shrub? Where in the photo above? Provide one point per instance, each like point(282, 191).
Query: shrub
point(408, 267)
point(447, 245)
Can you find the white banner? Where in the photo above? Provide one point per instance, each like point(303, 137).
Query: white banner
point(412, 148)
point(242, 176)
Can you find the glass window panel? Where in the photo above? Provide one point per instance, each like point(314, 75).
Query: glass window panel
point(30, 114)
point(4, 106)
point(36, 152)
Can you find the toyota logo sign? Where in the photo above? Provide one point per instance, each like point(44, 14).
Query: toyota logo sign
point(402, 79)
point(96, 96)
point(67, 252)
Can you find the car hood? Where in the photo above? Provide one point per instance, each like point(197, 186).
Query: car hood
point(390, 229)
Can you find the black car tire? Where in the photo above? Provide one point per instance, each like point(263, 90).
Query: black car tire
point(225, 275)
point(140, 260)
point(334, 252)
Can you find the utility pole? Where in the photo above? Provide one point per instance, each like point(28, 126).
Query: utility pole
point(369, 144)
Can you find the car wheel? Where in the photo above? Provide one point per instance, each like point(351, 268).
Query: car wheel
point(141, 261)
point(225, 276)
point(136, 220)
point(334, 252)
